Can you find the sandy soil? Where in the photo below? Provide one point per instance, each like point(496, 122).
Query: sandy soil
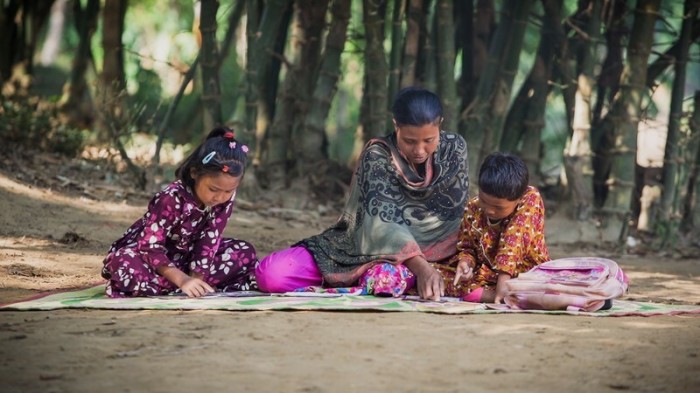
point(55, 240)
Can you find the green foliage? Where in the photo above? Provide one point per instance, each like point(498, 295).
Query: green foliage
point(30, 122)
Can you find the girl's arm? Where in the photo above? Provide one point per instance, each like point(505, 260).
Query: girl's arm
point(158, 222)
point(192, 286)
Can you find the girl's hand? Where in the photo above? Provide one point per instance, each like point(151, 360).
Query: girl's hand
point(463, 272)
point(428, 280)
point(501, 290)
point(195, 287)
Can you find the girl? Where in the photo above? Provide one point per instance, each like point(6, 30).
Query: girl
point(178, 243)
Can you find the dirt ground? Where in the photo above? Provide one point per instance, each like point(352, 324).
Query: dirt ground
point(54, 237)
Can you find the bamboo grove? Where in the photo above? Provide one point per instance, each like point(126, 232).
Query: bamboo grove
point(499, 67)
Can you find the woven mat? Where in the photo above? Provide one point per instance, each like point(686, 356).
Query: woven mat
point(94, 298)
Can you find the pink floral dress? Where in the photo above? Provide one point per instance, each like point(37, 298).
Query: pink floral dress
point(176, 232)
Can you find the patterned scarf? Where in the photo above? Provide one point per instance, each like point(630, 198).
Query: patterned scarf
point(393, 213)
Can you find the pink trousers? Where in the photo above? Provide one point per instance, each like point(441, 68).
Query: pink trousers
point(295, 268)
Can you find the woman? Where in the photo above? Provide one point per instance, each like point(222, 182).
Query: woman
point(403, 212)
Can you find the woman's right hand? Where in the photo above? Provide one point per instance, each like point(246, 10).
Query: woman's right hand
point(195, 287)
point(428, 280)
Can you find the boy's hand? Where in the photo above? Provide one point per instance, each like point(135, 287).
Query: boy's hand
point(195, 287)
point(501, 290)
point(463, 271)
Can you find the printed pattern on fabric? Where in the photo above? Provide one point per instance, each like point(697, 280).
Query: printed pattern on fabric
point(393, 213)
point(176, 232)
point(382, 279)
point(515, 245)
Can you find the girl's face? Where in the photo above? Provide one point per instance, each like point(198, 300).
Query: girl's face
point(417, 143)
point(211, 189)
point(496, 209)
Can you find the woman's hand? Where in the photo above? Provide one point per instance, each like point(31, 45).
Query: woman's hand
point(464, 272)
point(195, 287)
point(501, 290)
point(428, 280)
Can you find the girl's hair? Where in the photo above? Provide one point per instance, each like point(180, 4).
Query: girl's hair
point(503, 175)
point(220, 152)
point(415, 106)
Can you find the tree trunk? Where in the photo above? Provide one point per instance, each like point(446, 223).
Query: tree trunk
point(113, 64)
point(670, 209)
point(8, 38)
point(261, 43)
point(487, 112)
point(113, 82)
point(609, 78)
point(375, 70)
point(233, 21)
point(54, 35)
point(314, 140)
point(428, 74)
point(691, 203)
point(425, 46)
point(619, 154)
point(294, 98)
point(464, 42)
point(77, 102)
point(445, 63)
point(251, 73)
point(34, 18)
point(577, 153)
point(668, 58)
point(411, 42)
point(211, 88)
point(484, 26)
point(396, 46)
point(525, 118)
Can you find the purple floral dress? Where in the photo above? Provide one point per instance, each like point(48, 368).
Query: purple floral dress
point(176, 232)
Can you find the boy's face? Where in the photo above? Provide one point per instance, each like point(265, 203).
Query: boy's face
point(496, 208)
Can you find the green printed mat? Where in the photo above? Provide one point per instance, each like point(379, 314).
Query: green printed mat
point(95, 298)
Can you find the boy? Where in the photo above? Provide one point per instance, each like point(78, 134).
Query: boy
point(502, 231)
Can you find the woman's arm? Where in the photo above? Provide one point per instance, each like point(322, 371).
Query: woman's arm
point(429, 281)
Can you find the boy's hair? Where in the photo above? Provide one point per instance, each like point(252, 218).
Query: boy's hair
point(220, 152)
point(415, 106)
point(503, 175)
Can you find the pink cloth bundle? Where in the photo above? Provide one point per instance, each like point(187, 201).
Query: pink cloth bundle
point(573, 284)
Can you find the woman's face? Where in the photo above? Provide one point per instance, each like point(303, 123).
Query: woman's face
point(212, 189)
point(417, 143)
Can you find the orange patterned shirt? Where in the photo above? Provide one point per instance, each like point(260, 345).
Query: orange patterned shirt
point(514, 245)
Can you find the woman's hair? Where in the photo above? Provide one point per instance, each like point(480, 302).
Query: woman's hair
point(503, 175)
point(220, 152)
point(415, 106)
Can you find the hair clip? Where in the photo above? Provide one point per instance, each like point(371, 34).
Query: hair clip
point(244, 148)
point(208, 157)
point(232, 145)
point(225, 168)
point(229, 135)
